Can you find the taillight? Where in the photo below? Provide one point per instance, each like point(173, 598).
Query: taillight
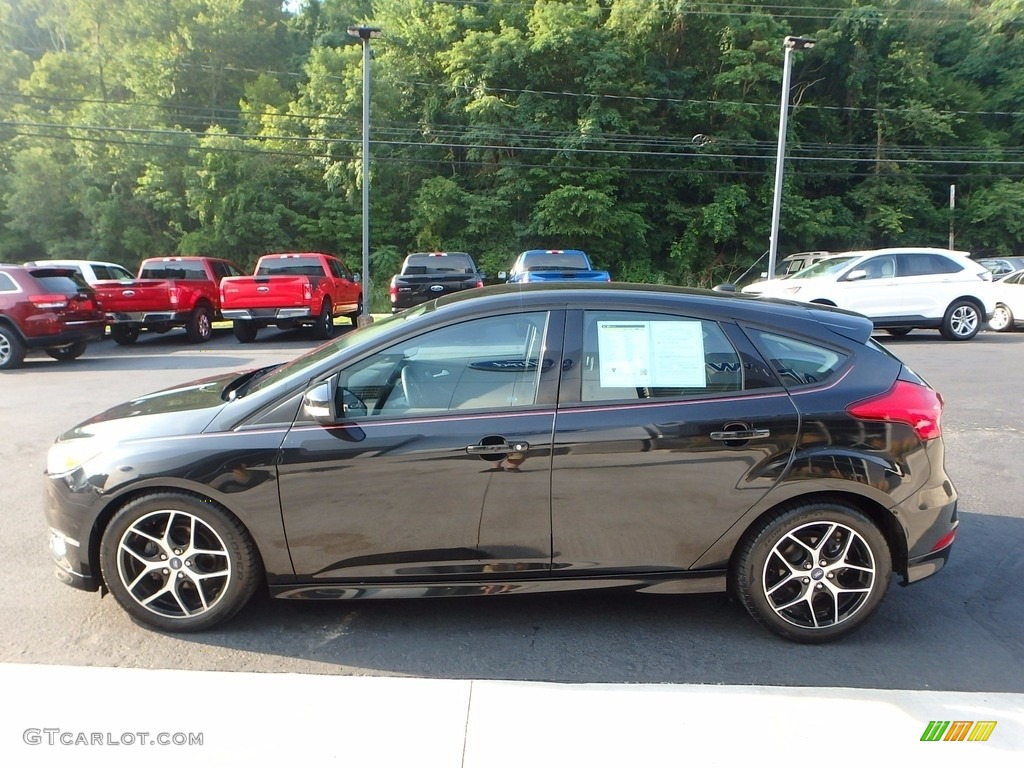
point(49, 301)
point(906, 403)
point(479, 284)
point(393, 290)
point(307, 291)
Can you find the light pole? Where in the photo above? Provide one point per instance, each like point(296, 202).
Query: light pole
point(789, 45)
point(364, 34)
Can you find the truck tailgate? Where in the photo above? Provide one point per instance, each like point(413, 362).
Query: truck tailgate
point(266, 292)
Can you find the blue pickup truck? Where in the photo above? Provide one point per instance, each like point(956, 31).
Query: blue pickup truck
point(554, 266)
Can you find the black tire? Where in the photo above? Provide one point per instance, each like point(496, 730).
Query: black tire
point(146, 562)
point(779, 577)
point(124, 334)
point(245, 330)
point(898, 332)
point(323, 329)
point(69, 352)
point(1002, 319)
point(199, 327)
point(962, 321)
point(354, 316)
point(12, 349)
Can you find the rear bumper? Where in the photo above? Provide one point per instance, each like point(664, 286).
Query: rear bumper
point(73, 333)
point(147, 317)
point(267, 315)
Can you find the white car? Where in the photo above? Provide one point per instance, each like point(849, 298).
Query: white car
point(1009, 291)
point(899, 289)
point(91, 271)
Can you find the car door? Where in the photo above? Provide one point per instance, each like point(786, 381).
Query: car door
point(668, 431)
point(875, 289)
point(437, 465)
point(929, 282)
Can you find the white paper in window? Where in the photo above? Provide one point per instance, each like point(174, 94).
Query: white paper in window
point(657, 353)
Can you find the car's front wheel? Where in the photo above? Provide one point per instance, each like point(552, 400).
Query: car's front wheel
point(178, 562)
point(813, 572)
point(1002, 318)
point(962, 321)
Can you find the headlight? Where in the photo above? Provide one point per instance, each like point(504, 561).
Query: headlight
point(68, 455)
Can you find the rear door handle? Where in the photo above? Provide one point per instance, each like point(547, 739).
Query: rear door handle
point(741, 434)
point(518, 446)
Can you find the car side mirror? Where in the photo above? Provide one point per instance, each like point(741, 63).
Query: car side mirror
point(357, 277)
point(318, 403)
point(857, 274)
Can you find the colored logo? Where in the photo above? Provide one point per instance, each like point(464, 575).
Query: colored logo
point(958, 730)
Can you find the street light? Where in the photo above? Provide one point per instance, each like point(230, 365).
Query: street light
point(789, 45)
point(364, 34)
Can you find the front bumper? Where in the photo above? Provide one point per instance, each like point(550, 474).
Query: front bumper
point(70, 515)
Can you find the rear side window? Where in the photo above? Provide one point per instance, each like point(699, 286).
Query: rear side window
point(640, 355)
point(111, 273)
point(926, 264)
point(6, 283)
point(797, 361)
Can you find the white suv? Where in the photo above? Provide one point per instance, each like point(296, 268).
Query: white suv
point(900, 289)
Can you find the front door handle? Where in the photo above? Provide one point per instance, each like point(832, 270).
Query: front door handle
point(518, 446)
point(741, 434)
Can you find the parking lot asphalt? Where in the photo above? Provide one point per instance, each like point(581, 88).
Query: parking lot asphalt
point(175, 717)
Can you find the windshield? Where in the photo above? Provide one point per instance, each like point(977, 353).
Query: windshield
point(823, 267)
point(314, 357)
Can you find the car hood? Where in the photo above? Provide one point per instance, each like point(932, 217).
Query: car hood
point(182, 410)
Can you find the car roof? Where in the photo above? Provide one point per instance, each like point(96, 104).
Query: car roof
point(738, 306)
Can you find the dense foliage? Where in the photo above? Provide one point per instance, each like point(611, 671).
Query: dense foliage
point(643, 131)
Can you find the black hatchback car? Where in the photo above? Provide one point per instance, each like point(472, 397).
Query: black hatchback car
point(521, 439)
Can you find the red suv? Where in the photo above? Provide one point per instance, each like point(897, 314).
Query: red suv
point(51, 308)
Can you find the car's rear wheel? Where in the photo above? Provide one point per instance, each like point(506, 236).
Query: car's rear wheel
point(199, 327)
point(898, 331)
point(124, 334)
point(1002, 318)
point(962, 321)
point(814, 572)
point(178, 562)
point(12, 349)
point(69, 352)
point(245, 330)
point(324, 327)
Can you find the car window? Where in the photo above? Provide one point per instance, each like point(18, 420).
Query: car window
point(641, 355)
point(911, 264)
point(488, 363)
point(879, 268)
point(174, 271)
point(103, 272)
point(68, 284)
point(7, 284)
point(797, 361)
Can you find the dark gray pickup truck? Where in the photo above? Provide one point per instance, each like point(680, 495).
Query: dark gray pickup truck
point(426, 276)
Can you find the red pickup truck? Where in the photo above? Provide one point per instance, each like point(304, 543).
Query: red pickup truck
point(170, 292)
point(292, 289)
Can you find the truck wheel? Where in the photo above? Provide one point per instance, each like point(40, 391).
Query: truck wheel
point(12, 350)
point(354, 316)
point(245, 331)
point(199, 327)
point(324, 327)
point(69, 352)
point(124, 334)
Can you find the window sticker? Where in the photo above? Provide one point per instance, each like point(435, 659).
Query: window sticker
point(656, 353)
